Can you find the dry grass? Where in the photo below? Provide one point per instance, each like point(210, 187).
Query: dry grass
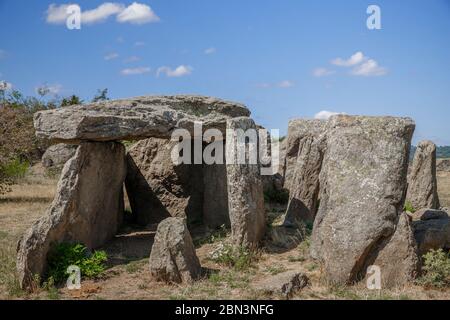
point(127, 276)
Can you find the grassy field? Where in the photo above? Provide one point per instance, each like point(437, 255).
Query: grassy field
point(127, 275)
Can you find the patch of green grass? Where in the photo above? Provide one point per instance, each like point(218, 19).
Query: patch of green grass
point(52, 291)
point(64, 255)
point(436, 269)
point(296, 259)
point(311, 267)
point(409, 207)
point(237, 257)
point(8, 275)
point(230, 278)
point(15, 169)
point(276, 269)
point(133, 266)
point(344, 292)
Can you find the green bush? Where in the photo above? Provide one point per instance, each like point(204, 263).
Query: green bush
point(436, 269)
point(409, 207)
point(15, 169)
point(64, 255)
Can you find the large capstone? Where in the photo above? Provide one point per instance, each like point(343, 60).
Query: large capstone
point(87, 209)
point(134, 118)
point(173, 257)
point(362, 188)
point(245, 187)
point(422, 183)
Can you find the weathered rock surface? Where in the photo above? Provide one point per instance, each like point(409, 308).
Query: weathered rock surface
point(284, 284)
point(245, 190)
point(362, 187)
point(88, 207)
point(432, 234)
point(157, 188)
point(215, 197)
point(422, 183)
point(304, 191)
point(398, 256)
point(298, 129)
point(57, 155)
point(173, 257)
point(134, 118)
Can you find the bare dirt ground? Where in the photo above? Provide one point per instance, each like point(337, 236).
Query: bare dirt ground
point(127, 275)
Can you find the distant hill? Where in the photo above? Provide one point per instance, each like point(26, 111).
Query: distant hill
point(441, 152)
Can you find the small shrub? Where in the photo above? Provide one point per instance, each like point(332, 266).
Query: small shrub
point(15, 169)
point(240, 258)
point(436, 269)
point(64, 255)
point(409, 207)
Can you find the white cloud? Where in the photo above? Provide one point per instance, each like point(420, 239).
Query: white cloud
point(139, 43)
point(178, 72)
point(285, 84)
point(355, 59)
point(325, 115)
point(52, 89)
point(57, 14)
point(2, 54)
point(137, 13)
point(135, 71)
point(322, 72)
point(132, 59)
point(282, 84)
point(5, 86)
point(111, 56)
point(101, 13)
point(210, 50)
point(368, 69)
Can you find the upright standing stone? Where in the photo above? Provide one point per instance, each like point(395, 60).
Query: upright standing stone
point(298, 129)
point(173, 257)
point(88, 207)
point(304, 184)
point(422, 183)
point(398, 256)
point(362, 182)
point(245, 188)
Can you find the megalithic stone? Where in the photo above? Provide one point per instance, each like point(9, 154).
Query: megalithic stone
point(88, 207)
point(303, 197)
point(245, 187)
point(422, 182)
point(362, 188)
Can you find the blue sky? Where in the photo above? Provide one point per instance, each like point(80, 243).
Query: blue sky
point(283, 59)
